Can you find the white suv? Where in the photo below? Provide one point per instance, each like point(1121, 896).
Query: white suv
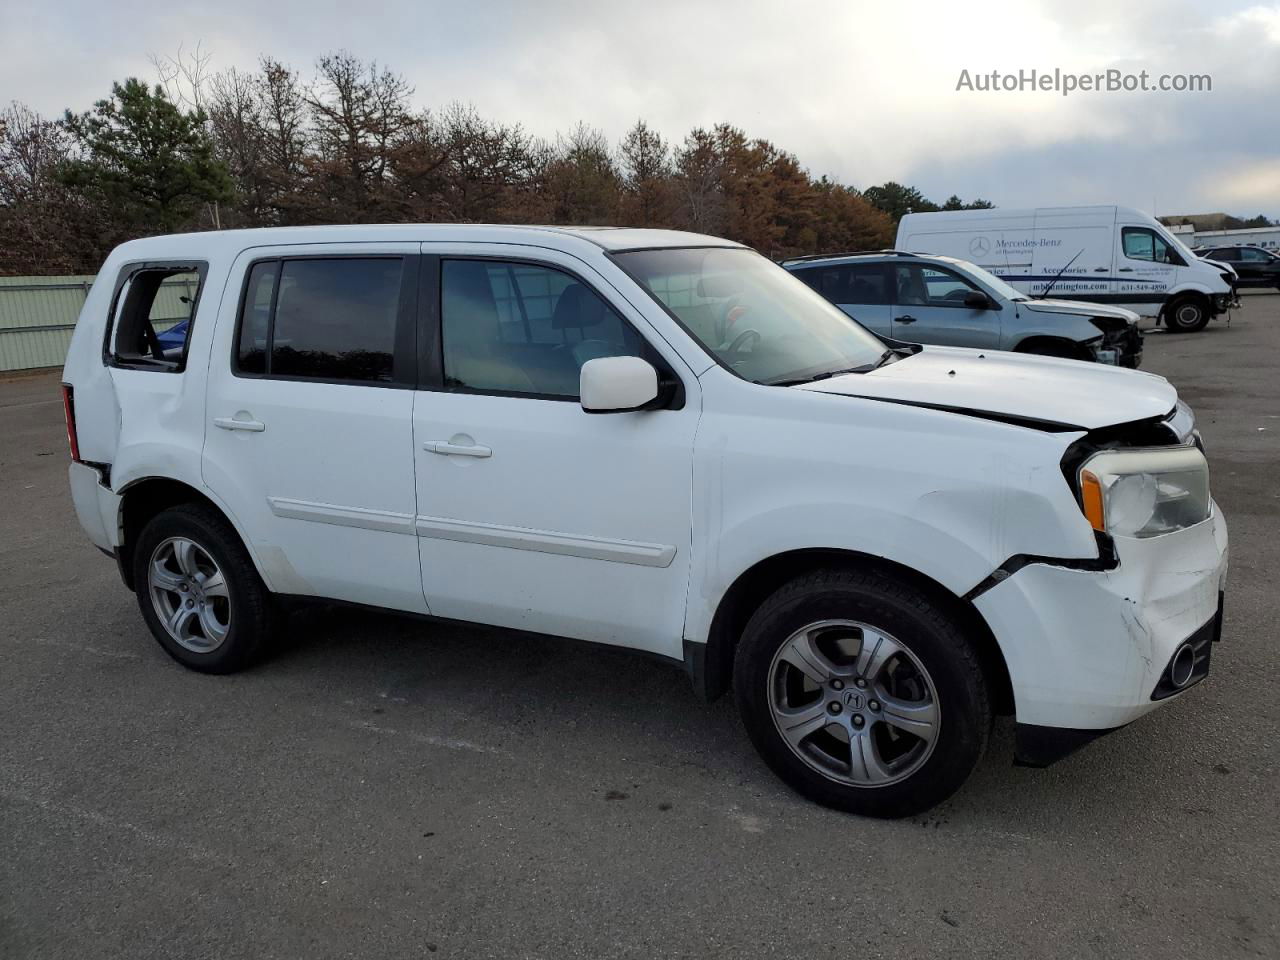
point(878, 546)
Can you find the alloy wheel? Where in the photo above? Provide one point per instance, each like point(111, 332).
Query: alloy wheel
point(189, 594)
point(854, 703)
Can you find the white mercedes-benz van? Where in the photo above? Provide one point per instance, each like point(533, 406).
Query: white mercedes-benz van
point(1113, 255)
point(878, 545)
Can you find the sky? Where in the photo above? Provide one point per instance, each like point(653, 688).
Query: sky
point(863, 92)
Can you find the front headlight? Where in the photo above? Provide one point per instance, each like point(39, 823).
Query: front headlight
point(1144, 493)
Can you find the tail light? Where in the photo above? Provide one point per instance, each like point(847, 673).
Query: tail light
point(69, 413)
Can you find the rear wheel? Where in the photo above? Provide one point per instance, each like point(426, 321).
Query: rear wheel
point(862, 693)
point(199, 591)
point(1186, 315)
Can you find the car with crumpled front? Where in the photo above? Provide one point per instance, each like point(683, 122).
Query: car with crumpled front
point(878, 546)
point(920, 298)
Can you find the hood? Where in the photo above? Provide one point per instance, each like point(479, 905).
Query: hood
point(1042, 391)
point(1222, 267)
point(1078, 308)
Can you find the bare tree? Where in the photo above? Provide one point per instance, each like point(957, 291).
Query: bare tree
point(185, 75)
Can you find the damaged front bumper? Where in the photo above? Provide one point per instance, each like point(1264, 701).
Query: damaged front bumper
point(1089, 651)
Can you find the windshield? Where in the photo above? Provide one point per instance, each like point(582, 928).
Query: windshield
point(751, 315)
point(991, 280)
point(1172, 240)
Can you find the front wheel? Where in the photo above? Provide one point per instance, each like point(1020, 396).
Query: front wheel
point(862, 693)
point(1186, 315)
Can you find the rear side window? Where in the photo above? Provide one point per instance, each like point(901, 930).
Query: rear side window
point(849, 283)
point(154, 310)
point(329, 319)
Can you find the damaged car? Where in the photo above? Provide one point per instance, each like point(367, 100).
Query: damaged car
point(919, 298)
point(877, 546)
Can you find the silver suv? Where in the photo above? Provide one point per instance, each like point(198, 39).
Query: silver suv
point(929, 299)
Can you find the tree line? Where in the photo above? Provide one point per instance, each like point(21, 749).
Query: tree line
point(202, 150)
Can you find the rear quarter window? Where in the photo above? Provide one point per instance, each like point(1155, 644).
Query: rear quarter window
point(153, 315)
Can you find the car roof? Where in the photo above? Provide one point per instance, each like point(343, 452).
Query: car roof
point(866, 256)
point(566, 238)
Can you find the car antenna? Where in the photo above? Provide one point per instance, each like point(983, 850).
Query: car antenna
point(1045, 293)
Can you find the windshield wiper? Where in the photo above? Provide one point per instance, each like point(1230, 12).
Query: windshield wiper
point(828, 374)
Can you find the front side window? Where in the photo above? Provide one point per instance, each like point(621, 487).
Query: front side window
point(942, 288)
point(1254, 255)
point(1143, 244)
point(331, 319)
point(518, 328)
point(154, 311)
point(753, 316)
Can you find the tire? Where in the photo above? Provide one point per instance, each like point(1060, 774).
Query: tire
point(1186, 314)
point(191, 570)
point(841, 614)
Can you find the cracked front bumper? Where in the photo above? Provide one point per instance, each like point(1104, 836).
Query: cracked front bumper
point(1086, 649)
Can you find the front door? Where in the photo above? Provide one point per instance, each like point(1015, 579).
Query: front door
point(308, 440)
point(1146, 269)
point(930, 308)
point(532, 513)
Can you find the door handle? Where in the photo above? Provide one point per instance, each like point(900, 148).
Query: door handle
point(904, 319)
point(1099, 269)
point(448, 449)
point(236, 423)
point(1125, 270)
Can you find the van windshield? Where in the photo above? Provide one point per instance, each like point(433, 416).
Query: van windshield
point(753, 316)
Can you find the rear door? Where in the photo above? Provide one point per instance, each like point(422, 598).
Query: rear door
point(1254, 266)
point(309, 435)
point(929, 308)
point(859, 289)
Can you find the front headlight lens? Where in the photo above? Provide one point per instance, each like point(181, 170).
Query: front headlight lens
point(1144, 493)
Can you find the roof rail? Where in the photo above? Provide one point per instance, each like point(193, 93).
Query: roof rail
point(849, 253)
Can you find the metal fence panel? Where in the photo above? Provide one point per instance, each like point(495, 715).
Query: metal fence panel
point(38, 316)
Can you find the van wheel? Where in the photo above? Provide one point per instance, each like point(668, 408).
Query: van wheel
point(861, 693)
point(1186, 315)
point(199, 591)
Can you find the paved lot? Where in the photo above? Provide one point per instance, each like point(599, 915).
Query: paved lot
point(387, 788)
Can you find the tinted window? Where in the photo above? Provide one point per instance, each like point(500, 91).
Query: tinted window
point(867, 284)
point(323, 319)
point(849, 283)
point(518, 328)
point(1254, 255)
point(153, 318)
point(255, 316)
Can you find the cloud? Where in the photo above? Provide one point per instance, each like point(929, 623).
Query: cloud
point(863, 91)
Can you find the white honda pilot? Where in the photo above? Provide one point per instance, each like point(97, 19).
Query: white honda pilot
point(877, 545)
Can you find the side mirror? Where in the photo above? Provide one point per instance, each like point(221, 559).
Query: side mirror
point(617, 384)
point(975, 300)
